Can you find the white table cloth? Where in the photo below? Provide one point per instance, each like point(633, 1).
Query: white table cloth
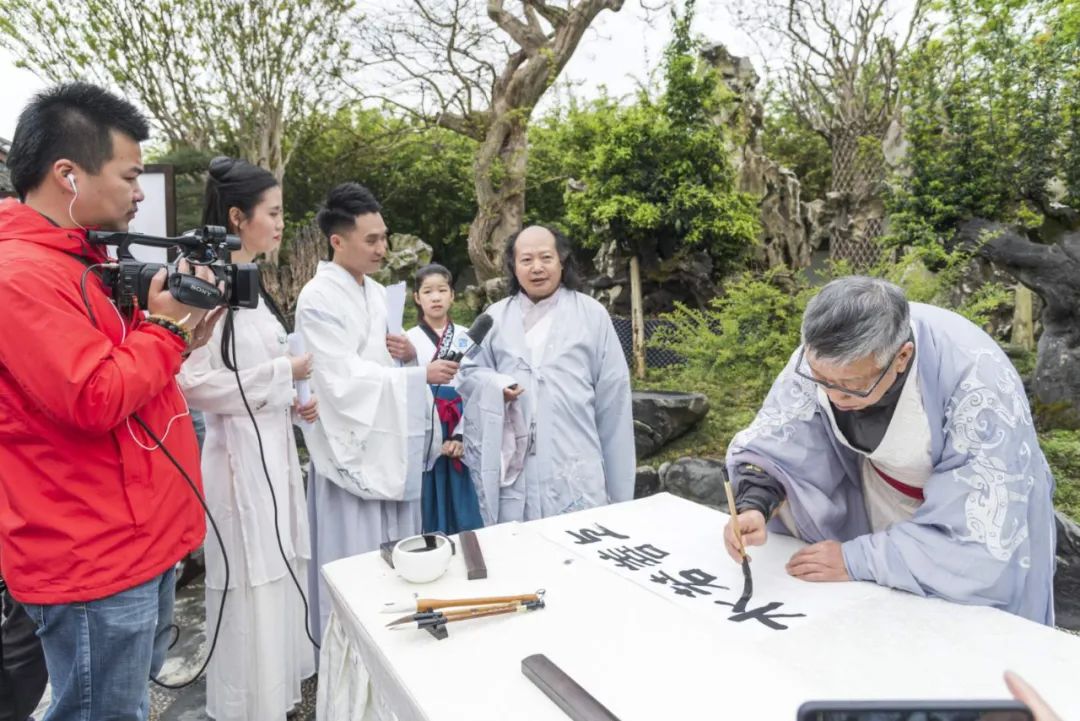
point(638, 613)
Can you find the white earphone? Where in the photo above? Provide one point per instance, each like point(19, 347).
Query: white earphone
point(71, 206)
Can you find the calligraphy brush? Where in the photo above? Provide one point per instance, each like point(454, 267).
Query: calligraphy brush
point(436, 618)
point(748, 580)
point(420, 605)
point(421, 616)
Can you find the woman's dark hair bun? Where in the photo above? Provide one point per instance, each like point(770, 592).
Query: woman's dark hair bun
point(221, 166)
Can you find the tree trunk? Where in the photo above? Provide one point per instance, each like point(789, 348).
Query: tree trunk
point(500, 192)
point(283, 281)
point(637, 318)
point(500, 162)
point(1023, 330)
point(856, 180)
point(264, 147)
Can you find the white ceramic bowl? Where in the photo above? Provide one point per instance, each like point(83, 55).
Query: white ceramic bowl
point(422, 559)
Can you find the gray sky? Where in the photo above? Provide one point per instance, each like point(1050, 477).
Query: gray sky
point(618, 52)
point(18, 86)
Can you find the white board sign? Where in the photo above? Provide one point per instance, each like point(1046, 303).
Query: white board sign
point(157, 212)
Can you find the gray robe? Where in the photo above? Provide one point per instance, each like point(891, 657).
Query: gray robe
point(575, 410)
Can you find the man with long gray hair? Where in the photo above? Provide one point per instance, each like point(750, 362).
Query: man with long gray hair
point(899, 443)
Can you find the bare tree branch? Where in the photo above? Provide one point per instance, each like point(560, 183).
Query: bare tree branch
point(211, 75)
point(479, 69)
point(528, 38)
point(840, 67)
point(554, 15)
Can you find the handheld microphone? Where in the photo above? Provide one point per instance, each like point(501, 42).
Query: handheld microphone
point(303, 391)
point(480, 328)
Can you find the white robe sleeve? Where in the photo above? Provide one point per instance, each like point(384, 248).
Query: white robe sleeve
point(478, 371)
point(375, 418)
point(477, 379)
point(484, 415)
point(211, 387)
point(614, 416)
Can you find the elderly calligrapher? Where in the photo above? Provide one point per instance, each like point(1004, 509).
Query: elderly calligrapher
point(899, 443)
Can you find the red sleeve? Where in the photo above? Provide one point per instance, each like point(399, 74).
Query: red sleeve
point(73, 371)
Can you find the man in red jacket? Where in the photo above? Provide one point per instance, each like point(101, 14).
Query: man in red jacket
point(93, 514)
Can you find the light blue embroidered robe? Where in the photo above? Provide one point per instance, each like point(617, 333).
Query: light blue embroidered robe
point(985, 532)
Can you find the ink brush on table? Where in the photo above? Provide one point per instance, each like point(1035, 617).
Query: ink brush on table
point(439, 618)
point(748, 580)
point(433, 614)
point(420, 605)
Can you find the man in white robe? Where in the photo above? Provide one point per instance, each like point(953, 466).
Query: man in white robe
point(368, 444)
point(898, 441)
point(548, 423)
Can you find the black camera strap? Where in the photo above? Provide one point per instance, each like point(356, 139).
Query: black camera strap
point(88, 262)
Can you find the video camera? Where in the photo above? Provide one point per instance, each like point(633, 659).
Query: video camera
point(208, 246)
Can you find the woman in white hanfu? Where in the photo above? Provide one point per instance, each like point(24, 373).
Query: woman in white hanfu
point(548, 423)
point(263, 652)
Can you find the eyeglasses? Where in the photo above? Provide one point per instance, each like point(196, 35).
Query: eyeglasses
point(848, 391)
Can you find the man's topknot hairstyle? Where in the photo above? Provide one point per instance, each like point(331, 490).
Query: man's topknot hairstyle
point(343, 204)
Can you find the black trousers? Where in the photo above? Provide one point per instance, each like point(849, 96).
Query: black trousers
point(22, 663)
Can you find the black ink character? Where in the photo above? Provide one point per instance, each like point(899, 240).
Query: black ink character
point(693, 584)
point(587, 535)
point(762, 614)
point(634, 558)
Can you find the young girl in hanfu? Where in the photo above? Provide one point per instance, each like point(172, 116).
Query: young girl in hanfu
point(448, 498)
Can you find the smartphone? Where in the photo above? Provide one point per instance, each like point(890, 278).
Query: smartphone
point(914, 711)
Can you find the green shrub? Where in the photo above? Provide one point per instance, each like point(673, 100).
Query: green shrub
point(1062, 449)
point(735, 348)
point(745, 336)
point(657, 176)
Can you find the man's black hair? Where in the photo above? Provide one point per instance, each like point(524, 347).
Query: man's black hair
point(72, 121)
point(343, 204)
